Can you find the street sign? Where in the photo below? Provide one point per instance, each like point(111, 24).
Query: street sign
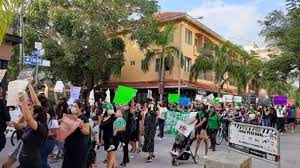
point(38, 53)
point(36, 61)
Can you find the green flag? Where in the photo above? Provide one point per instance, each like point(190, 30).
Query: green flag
point(173, 98)
point(124, 95)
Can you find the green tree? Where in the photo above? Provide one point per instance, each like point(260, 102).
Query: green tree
point(164, 50)
point(221, 59)
point(282, 30)
point(83, 39)
point(7, 10)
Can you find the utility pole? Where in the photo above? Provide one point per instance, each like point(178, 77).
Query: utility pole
point(180, 56)
point(21, 33)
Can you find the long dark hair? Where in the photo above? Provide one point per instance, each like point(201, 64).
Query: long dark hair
point(41, 114)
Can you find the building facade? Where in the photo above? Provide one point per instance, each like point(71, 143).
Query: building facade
point(6, 51)
point(189, 35)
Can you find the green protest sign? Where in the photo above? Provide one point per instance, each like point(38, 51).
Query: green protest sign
point(124, 95)
point(215, 101)
point(172, 117)
point(173, 98)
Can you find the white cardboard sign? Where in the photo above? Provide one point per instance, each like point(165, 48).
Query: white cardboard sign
point(59, 87)
point(14, 87)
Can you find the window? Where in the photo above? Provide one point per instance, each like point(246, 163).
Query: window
point(157, 65)
point(202, 75)
point(188, 37)
point(132, 63)
point(187, 65)
point(168, 63)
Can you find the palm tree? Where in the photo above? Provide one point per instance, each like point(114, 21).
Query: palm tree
point(164, 50)
point(7, 11)
point(221, 59)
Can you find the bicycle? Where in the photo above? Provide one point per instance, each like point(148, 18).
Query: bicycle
point(16, 136)
point(222, 132)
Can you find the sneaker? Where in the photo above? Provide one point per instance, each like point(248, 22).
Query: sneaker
point(111, 147)
point(149, 159)
point(175, 153)
point(204, 157)
point(122, 144)
point(138, 151)
point(131, 156)
point(281, 133)
point(104, 161)
point(213, 149)
point(160, 139)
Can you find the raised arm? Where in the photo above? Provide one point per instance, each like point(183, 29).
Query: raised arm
point(26, 113)
point(33, 95)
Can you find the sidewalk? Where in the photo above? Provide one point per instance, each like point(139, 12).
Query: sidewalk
point(290, 155)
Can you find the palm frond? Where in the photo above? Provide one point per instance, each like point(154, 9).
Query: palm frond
point(146, 61)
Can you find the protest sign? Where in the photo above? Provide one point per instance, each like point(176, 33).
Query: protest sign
point(74, 94)
point(280, 100)
point(172, 117)
point(92, 97)
point(228, 98)
point(2, 74)
point(14, 87)
point(149, 94)
point(124, 95)
point(198, 97)
point(107, 98)
point(250, 100)
point(184, 101)
point(221, 100)
point(59, 87)
point(215, 101)
point(237, 99)
point(68, 125)
point(26, 74)
point(210, 97)
point(173, 98)
point(184, 128)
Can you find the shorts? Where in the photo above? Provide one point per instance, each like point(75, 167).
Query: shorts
point(203, 134)
point(15, 152)
point(291, 120)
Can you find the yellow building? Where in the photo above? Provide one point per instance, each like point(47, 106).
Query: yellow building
point(189, 35)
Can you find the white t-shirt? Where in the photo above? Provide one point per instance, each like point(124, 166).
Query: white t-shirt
point(280, 112)
point(53, 124)
point(162, 111)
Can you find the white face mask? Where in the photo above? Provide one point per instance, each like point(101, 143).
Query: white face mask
point(73, 110)
point(110, 112)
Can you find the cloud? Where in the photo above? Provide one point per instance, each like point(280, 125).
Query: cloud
point(236, 22)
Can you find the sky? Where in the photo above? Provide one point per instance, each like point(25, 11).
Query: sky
point(235, 20)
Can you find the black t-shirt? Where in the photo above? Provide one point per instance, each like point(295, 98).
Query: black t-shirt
point(76, 148)
point(200, 116)
point(33, 140)
point(4, 115)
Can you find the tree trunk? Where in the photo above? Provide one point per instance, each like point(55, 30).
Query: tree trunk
point(162, 73)
point(90, 87)
point(219, 88)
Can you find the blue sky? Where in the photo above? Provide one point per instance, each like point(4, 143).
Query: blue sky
point(235, 20)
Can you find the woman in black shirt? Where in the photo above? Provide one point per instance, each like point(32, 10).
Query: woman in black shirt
point(76, 145)
point(34, 136)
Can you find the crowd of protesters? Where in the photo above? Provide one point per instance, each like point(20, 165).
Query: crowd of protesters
point(118, 127)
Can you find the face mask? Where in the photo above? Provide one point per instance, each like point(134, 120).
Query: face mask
point(110, 112)
point(73, 110)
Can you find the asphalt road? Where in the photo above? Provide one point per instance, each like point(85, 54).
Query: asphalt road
point(290, 155)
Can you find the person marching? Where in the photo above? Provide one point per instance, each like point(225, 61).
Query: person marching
point(214, 122)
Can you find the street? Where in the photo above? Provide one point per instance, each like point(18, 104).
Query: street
point(290, 149)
